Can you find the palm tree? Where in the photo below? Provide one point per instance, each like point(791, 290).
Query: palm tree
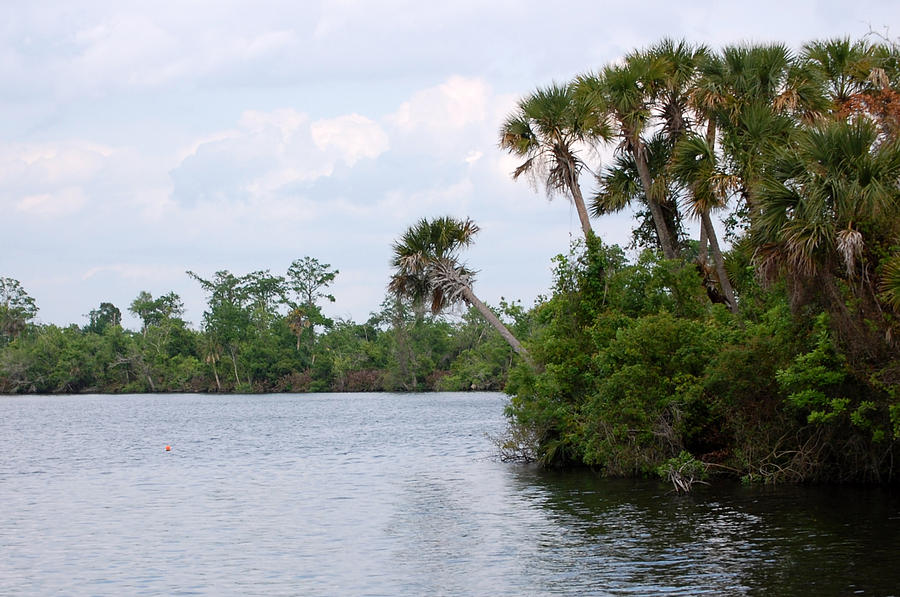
point(624, 94)
point(827, 220)
point(620, 182)
point(679, 66)
point(695, 83)
point(546, 129)
point(844, 67)
point(767, 93)
point(691, 84)
point(823, 191)
point(694, 163)
point(427, 268)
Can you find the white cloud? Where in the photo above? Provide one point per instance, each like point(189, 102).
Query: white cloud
point(353, 136)
point(398, 206)
point(270, 152)
point(456, 103)
point(47, 165)
point(287, 121)
point(473, 156)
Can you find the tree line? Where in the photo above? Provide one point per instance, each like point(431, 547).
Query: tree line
point(260, 332)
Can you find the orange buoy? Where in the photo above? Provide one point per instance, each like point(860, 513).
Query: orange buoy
point(168, 448)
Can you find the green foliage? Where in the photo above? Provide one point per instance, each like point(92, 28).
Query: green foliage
point(637, 368)
point(683, 471)
point(106, 315)
point(814, 380)
point(17, 309)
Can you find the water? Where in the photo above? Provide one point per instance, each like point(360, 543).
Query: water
point(381, 494)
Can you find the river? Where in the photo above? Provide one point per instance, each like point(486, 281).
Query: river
point(388, 494)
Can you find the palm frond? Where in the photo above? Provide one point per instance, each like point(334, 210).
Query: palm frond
point(890, 282)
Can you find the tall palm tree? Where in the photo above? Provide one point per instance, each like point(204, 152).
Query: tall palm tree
point(620, 182)
point(546, 129)
point(679, 66)
point(623, 94)
point(689, 90)
point(427, 268)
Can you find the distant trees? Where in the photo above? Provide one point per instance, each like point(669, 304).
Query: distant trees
point(17, 309)
point(308, 280)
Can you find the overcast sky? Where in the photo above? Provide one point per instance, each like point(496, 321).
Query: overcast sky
point(142, 139)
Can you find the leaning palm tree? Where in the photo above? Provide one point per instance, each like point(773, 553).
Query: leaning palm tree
point(546, 129)
point(427, 268)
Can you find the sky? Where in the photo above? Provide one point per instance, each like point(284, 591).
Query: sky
point(139, 140)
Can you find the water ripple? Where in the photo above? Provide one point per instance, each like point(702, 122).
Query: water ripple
point(386, 495)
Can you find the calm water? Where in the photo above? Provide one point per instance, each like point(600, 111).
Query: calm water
point(385, 494)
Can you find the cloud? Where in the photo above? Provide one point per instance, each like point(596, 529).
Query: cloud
point(352, 136)
point(52, 179)
point(51, 164)
point(456, 103)
point(473, 156)
point(272, 153)
point(61, 203)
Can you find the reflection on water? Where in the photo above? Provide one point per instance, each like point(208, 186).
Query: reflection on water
point(387, 495)
point(637, 537)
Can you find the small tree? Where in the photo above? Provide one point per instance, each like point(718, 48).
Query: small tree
point(16, 309)
point(106, 315)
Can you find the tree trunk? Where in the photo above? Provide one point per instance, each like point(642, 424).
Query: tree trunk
point(234, 364)
point(216, 374)
point(578, 200)
point(670, 251)
point(724, 282)
point(706, 226)
point(497, 325)
point(703, 251)
point(711, 141)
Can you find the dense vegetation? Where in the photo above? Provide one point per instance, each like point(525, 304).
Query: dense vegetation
point(774, 358)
